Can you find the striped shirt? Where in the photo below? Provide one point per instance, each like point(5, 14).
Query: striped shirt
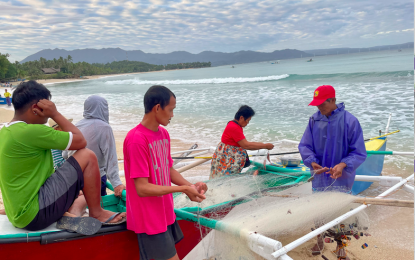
point(58, 160)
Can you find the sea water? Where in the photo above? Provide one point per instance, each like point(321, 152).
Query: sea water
point(371, 84)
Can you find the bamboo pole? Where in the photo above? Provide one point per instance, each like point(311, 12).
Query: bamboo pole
point(372, 201)
point(190, 166)
point(386, 202)
point(391, 133)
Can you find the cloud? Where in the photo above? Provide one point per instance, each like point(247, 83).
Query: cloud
point(161, 26)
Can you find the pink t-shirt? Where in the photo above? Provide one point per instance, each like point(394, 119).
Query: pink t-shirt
point(147, 154)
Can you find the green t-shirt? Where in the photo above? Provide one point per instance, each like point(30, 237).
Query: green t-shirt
point(25, 164)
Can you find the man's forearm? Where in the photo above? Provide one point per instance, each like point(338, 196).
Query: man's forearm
point(152, 190)
point(177, 178)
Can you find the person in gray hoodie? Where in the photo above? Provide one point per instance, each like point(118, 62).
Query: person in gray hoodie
point(100, 139)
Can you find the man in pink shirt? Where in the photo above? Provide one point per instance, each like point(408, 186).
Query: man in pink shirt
point(149, 173)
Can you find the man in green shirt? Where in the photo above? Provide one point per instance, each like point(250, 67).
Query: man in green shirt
point(34, 195)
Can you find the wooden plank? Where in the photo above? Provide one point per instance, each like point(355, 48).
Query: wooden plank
point(373, 201)
point(192, 165)
point(386, 202)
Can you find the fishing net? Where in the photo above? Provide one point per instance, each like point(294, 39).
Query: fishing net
point(281, 218)
point(278, 205)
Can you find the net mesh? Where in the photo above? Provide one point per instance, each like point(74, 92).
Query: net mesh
point(272, 204)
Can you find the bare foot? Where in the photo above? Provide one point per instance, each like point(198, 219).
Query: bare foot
point(106, 214)
point(67, 214)
point(2, 212)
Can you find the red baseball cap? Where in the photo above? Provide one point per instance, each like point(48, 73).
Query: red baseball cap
point(321, 94)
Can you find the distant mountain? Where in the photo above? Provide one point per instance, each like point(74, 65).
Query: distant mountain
point(216, 58)
point(320, 52)
point(117, 54)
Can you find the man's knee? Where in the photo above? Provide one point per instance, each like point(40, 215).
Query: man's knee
point(86, 153)
point(85, 157)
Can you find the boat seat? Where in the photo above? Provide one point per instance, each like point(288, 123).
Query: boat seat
point(8, 230)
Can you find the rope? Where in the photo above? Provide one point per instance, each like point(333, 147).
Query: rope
point(200, 230)
point(330, 185)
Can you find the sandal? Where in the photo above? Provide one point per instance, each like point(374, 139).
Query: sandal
point(106, 223)
point(85, 226)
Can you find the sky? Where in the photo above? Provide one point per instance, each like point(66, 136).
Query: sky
point(163, 26)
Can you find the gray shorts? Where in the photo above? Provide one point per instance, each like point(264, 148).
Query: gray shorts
point(160, 246)
point(57, 194)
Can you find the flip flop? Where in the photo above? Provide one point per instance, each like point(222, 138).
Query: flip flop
point(85, 226)
point(106, 223)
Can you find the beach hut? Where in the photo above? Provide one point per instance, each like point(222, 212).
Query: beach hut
point(50, 70)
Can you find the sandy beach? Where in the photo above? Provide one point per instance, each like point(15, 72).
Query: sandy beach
point(54, 81)
point(6, 114)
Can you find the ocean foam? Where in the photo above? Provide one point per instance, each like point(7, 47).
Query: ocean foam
point(137, 81)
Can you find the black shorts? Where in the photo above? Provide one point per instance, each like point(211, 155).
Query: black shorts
point(160, 246)
point(57, 194)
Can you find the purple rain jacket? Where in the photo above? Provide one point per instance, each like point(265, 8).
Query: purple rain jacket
point(330, 141)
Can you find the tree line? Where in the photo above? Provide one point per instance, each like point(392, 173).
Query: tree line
point(69, 69)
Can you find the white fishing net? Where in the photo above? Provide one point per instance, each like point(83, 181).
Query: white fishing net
point(270, 204)
point(283, 218)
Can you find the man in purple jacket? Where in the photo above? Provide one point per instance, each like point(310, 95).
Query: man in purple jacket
point(332, 145)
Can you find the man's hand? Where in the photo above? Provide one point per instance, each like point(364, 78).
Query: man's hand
point(193, 194)
point(336, 171)
point(201, 187)
point(269, 146)
point(118, 190)
point(46, 108)
point(318, 169)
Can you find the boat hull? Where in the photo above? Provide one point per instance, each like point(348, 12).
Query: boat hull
point(372, 166)
point(114, 245)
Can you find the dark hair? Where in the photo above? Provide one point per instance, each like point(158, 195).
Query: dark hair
point(245, 111)
point(28, 93)
point(157, 95)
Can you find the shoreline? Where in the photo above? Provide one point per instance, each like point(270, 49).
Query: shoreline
point(58, 81)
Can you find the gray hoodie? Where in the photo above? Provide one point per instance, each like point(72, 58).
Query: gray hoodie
point(100, 138)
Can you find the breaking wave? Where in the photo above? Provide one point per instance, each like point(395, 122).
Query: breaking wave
point(137, 81)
